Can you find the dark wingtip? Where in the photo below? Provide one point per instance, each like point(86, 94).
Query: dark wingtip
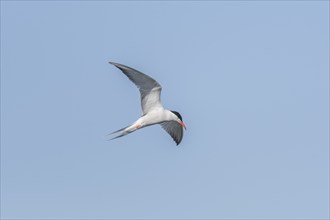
point(118, 65)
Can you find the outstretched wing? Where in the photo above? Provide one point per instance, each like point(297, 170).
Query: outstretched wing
point(174, 129)
point(149, 88)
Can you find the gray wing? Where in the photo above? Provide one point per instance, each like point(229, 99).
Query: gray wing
point(149, 88)
point(174, 129)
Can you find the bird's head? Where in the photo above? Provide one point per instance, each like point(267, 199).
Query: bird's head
point(179, 118)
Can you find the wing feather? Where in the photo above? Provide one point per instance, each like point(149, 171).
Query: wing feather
point(174, 129)
point(149, 88)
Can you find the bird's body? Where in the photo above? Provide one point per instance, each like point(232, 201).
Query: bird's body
point(153, 111)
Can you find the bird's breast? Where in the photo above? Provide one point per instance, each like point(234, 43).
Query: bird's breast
point(154, 117)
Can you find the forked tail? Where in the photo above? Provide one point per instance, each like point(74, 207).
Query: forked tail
point(121, 132)
point(124, 131)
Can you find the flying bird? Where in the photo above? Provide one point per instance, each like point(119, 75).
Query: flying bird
point(153, 111)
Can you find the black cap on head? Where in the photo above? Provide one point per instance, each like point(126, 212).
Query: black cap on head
point(177, 114)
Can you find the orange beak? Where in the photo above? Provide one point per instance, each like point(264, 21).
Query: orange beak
point(182, 124)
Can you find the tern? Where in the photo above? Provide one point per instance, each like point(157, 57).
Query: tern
point(153, 111)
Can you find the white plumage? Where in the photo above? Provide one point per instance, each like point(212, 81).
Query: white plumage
point(153, 111)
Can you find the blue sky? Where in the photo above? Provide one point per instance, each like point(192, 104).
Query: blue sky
point(250, 78)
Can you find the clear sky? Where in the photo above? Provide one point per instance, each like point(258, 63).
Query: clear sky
point(250, 78)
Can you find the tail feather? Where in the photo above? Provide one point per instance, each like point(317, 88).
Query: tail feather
point(120, 135)
point(121, 132)
point(124, 131)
